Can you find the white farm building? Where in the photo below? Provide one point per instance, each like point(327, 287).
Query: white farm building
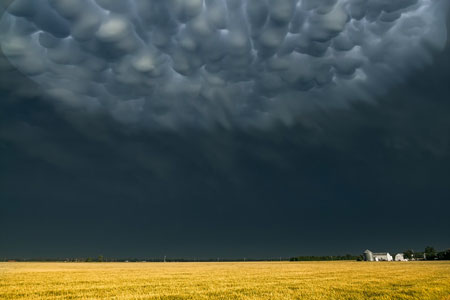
point(400, 257)
point(380, 256)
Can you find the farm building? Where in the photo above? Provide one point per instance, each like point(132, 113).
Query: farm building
point(400, 257)
point(368, 255)
point(381, 256)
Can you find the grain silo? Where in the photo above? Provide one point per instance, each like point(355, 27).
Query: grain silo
point(368, 255)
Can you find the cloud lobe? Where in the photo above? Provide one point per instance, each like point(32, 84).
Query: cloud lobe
point(234, 63)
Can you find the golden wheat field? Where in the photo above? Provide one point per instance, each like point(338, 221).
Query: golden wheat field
point(248, 280)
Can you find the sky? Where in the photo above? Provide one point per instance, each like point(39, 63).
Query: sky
point(232, 129)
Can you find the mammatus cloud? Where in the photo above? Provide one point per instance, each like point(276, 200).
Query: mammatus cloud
point(229, 62)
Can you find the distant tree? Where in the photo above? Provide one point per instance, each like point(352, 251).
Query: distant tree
point(430, 253)
point(89, 259)
point(100, 258)
point(444, 255)
point(408, 254)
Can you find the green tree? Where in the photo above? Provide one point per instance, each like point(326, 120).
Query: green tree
point(430, 253)
point(408, 254)
point(444, 255)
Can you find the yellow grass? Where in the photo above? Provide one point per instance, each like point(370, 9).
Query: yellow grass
point(284, 280)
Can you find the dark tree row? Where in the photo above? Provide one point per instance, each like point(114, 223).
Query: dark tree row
point(429, 254)
point(325, 258)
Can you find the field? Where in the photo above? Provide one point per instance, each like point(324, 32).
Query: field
point(249, 280)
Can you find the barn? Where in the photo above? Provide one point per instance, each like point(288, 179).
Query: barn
point(382, 256)
point(379, 256)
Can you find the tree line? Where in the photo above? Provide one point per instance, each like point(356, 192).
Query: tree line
point(101, 258)
point(325, 258)
point(429, 253)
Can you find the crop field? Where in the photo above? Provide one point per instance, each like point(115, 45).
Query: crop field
point(247, 280)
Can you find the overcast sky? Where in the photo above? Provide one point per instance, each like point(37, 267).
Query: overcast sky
point(223, 128)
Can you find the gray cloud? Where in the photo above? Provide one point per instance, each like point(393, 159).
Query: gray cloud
point(197, 63)
point(80, 184)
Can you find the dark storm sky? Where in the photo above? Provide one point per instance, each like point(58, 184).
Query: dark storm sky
point(375, 175)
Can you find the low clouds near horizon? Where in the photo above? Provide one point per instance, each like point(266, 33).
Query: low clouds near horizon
point(194, 63)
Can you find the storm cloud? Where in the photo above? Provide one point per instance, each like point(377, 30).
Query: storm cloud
point(306, 166)
point(195, 63)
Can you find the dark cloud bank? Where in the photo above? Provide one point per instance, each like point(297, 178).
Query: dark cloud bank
point(364, 166)
point(231, 63)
